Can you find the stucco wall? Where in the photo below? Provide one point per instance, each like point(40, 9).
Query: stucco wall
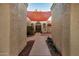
point(56, 22)
point(65, 20)
point(61, 27)
point(17, 28)
point(4, 29)
point(74, 41)
point(66, 29)
point(12, 28)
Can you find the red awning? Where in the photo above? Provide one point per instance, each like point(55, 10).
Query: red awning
point(38, 16)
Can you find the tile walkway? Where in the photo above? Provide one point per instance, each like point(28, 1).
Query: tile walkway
point(40, 47)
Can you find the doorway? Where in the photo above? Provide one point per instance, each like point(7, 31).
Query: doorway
point(38, 27)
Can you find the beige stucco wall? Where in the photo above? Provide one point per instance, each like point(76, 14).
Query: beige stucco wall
point(65, 29)
point(17, 28)
point(61, 27)
point(56, 28)
point(13, 28)
point(74, 41)
point(4, 29)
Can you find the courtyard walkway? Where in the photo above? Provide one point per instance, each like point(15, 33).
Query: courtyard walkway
point(40, 47)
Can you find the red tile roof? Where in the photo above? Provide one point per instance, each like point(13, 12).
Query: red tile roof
point(38, 15)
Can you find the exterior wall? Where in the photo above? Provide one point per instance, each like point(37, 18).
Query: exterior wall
point(17, 28)
point(34, 22)
point(66, 28)
point(60, 27)
point(57, 25)
point(13, 28)
point(28, 22)
point(49, 28)
point(22, 26)
point(44, 29)
point(74, 41)
point(4, 29)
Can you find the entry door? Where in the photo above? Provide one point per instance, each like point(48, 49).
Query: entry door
point(38, 27)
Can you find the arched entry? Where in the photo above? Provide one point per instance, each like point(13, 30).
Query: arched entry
point(38, 27)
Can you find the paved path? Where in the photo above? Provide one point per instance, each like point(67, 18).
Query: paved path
point(40, 47)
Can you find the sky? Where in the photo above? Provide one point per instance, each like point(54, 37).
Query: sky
point(39, 6)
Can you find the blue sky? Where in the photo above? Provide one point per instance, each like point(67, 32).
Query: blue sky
point(39, 6)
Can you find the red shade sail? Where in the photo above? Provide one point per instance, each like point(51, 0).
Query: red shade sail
point(38, 16)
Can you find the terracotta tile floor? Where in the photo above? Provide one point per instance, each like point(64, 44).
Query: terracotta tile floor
point(40, 47)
